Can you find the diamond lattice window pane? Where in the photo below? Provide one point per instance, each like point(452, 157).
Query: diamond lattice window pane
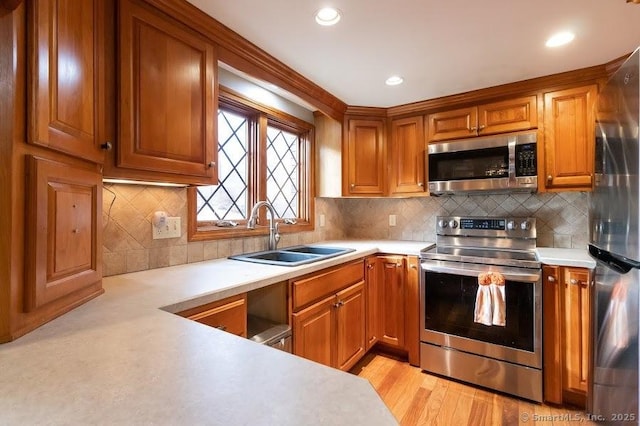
point(283, 182)
point(228, 200)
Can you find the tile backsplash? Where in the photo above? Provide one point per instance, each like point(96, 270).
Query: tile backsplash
point(128, 210)
point(561, 218)
point(128, 245)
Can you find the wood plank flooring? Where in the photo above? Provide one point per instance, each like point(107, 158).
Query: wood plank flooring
point(418, 398)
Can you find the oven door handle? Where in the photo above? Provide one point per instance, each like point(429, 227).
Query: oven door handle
point(472, 271)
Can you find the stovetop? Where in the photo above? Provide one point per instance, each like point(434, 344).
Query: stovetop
point(504, 241)
point(485, 256)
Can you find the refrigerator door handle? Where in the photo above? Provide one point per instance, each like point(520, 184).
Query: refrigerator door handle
point(618, 263)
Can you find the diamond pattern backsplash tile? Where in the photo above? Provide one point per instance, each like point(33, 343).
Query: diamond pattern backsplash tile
point(561, 218)
point(128, 245)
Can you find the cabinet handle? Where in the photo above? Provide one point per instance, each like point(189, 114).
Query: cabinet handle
point(353, 185)
point(420, 184)
point(107, 146)
point(549, 179)
point(480, 127)
point(413, 267)
point(212, 164)
point(221, 327)
point(473, 129)
point(398, 265)
point(337, 305)
point(551, 279)
point(370, 266)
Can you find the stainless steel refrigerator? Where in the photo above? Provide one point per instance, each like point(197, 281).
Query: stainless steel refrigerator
point(614, 234)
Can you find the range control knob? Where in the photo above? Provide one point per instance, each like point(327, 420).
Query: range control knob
point(442, 223)
point(525, 226)
point(453, 224)
point(511, 225)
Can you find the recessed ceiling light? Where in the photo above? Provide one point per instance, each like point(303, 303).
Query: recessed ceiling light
point(394, 80)
point(560, 39)
point(327, 16)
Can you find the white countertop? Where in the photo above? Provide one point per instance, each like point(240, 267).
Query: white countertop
point(565, 257)
point(120, 359)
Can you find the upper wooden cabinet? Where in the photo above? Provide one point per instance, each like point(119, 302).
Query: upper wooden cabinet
point(364, 157)
point(566, 325)
point(407, 156)
point(498, 117)
point(67, 77)
point(168, 98)
point(569, 131)
point(64, 238)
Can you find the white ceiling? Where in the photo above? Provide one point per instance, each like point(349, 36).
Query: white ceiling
point(440, 47)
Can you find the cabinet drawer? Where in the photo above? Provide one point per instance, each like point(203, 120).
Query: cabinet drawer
point(308, 290)
point(229, 314)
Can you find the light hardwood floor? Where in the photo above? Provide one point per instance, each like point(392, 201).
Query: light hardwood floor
point(417, 398)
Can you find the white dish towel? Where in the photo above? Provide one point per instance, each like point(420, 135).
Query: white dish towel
point(490, 308)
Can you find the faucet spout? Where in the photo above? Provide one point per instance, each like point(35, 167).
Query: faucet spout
point(274, 235)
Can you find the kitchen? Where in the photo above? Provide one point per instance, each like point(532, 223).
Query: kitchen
point(562, 221)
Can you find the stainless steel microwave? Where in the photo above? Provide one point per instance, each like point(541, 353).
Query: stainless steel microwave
point(494, 164)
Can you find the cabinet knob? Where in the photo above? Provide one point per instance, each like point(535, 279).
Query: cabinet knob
point(107, 146)
point(221, 327)
point(212, 164)
point(480, 127)
point(420, 184)
point(551, 279)
point(414, 267)
point(370, 266)
point(353, 185)
point(338, 304)
point(549, 179)
point(473, 129)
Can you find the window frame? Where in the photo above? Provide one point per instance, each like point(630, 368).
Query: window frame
point(260, 116)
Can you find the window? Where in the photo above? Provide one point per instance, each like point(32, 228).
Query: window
point(263, 154)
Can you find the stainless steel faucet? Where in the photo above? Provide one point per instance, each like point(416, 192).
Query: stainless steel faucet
point(274, 236)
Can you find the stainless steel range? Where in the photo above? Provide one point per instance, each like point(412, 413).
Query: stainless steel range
point(480, 304)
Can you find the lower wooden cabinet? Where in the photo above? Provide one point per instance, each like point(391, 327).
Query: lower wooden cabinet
point(566, 324)
point(328, 316)
point(332, 331)
point(228, 314)
point(393, 303)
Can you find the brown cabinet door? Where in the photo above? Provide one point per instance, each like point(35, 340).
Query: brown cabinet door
point(228, 315)
point(64, 244)
point(412, 310)
point(407, 146)
point(508, 116)
point(314, 332)
point(577, 319)
point(454, 124)
point(373, 281)
point(350, 326)
point(566, 320)
point(393, 300)
point(569, 125)
point(366, 158)
point(552, 334)
point(67, 81)
point(168, 101)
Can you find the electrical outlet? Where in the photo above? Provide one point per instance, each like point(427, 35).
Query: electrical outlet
point(170, 230)
point(392, 220)
point(322, 220)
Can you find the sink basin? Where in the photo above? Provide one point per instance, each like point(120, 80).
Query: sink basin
point(292, 256)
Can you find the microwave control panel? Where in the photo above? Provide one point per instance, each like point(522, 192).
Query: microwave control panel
point(526, 160)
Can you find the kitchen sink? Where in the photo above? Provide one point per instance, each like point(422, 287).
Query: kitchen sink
point(292, 256)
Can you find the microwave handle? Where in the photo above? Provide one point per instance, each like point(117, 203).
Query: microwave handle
point(527, 277)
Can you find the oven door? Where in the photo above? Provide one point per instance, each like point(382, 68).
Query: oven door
point(448, 293)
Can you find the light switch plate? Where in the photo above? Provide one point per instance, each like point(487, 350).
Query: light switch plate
point(392, 220)
point(322, 220)
point(170, 230)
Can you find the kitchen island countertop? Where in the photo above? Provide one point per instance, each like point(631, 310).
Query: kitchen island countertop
point(123, 359)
